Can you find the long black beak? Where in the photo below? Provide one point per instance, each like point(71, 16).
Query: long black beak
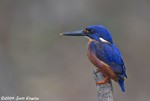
point(74, 33)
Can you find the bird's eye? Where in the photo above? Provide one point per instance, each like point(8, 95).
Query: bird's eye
point(87, 31)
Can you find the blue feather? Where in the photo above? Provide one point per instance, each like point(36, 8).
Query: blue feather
point(109, 54)
point(121, 83)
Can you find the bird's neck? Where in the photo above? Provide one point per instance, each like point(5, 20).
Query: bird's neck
point(90, 41)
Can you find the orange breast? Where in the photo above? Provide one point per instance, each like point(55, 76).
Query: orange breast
point(103, 67)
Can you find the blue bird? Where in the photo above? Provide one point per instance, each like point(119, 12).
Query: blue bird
point(103, 53)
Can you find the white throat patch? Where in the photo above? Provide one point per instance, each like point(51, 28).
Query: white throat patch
point(103, 40)
point(88, 38)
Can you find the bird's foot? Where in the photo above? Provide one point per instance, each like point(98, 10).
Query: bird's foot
point(106, 80)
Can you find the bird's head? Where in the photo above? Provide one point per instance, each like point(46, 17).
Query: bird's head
point(94, 32)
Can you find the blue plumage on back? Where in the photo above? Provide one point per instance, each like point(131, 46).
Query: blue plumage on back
point(106, 53)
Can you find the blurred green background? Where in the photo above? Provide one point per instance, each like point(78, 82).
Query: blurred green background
point(36, 61)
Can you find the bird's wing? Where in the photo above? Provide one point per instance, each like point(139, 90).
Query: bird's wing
point(109, 54)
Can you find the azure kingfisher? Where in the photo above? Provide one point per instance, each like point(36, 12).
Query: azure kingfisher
point(103, 53)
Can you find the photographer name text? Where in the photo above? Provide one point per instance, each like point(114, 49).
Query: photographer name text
point(19, 98)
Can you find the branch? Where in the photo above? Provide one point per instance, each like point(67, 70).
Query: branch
point(105, 91)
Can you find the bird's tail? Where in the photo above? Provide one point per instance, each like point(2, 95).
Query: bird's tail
point(121, 83)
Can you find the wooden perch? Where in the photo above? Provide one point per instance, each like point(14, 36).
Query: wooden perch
point(105, 91)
